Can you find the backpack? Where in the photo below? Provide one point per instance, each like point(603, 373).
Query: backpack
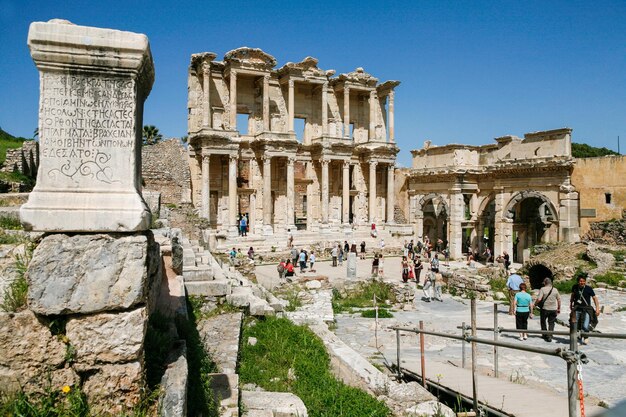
point(280, 268)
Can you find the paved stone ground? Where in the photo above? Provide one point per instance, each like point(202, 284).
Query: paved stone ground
point(604, 377)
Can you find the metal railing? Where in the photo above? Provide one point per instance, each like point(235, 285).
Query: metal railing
point(572, 356)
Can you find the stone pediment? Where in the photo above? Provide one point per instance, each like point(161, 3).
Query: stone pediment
point(359, 76)
point(307, 68)
point(250, 58)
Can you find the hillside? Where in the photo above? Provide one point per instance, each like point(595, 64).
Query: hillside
point(582, 150)
point(8, 141)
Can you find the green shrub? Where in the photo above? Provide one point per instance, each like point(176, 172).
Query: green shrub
point(10, 223)
point(610, 278)
point(282, 346)
point(65, 402)
point(383, 313)
point(15, 296)
point(363, 296)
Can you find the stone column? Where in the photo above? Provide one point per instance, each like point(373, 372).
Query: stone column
point(206, 87)
point(391, 117)
point(372, 191)
point(233, 100)
point(267, 195)
point(205, 186)
point(290, 194)
point(455, 227)
point(82, 185)
point(345, 203)
point(324, 109)
point(569, 221)
point(372, 114)
point(325, 187)
point(346, 112)
point(232, 194)
point(291, 105)
point(419, 225)
point(391, 196)
point(266, 103)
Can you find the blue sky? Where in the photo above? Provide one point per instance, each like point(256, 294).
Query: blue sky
point(470, 70)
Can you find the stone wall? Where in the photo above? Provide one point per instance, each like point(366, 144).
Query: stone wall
point(165, 169)
point(600, 182)
point(24, 160)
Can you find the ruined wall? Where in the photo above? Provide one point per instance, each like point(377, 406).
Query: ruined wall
point(595, 178)
point(24, 160)
point(165, 169)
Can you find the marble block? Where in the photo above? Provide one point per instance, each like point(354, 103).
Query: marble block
point(351, 268)
point(93, 83)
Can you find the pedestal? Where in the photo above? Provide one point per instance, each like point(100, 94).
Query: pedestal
point(351, 268)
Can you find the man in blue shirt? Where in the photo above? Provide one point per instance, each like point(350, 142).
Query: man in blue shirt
point(513, 285)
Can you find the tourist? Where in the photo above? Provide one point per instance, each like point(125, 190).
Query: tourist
point(333, 254)
point(243, 226)
point(418, 269)
point(341, 254)
point(294, 255)
point(523, 306)
point(289, 271)
point(428, 283)
point(513, 285)
point(251, 253)
point(438, 284)
point(488, 255)
point(353, 247)
point(346, 248)
point(439, 246)
point(405, 269)
point(419, 247)
point(375, 266)
point(289, 238)
point(429, 250)
point(282, 269)
point(374, 232)
point(405, 250)
point(446, 254)
point(312, 262)
point(302, 261)
point(382, 244)
point(434, 264)
point(363, 250)
point(580, 302)
point(231, 256)
point(381, 267)
point(549, 303)
point(507, 260)
point(410, 249)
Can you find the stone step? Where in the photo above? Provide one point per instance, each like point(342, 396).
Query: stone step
point(283, 404)
point(225, 389)
point(221, 288)
point(198, 273)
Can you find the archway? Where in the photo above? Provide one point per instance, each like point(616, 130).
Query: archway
point(435, 214)
point(537, 273)
point(534, 220)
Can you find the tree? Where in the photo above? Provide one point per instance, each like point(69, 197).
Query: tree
point(151, 135)
point(582, 150)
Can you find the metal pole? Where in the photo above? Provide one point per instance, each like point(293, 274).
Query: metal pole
point(422, 355)
point(474, 382)
point(495, 338)
point(463, 345)
point(572, 386)
point(398, 353)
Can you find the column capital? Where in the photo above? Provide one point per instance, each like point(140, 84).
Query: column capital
point(391, 94)
point(266, 77)
point(206, 68)
point(233, 73)
point(346, 89)
point(206, 157)
point(346, 164)
point(266, 159)
point(324, 161)
point(373, 162)
point(233, 157)
point(290, 83)
point(291, 159)
point(373, 93)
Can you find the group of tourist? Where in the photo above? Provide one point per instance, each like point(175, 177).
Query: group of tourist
point(299, 258)
point(548, 301)
point(339, 251)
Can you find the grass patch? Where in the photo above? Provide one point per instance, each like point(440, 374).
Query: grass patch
point(8, 142)
point(585, 258)
point(565, 287)
point(610, 278)
point(383, 313)
point(619, 255)
point(498, 285)
point(16, 177)
point(282, 346)
point(10, 223)
point(363, 296)
point(199, 394)
point(65, 402)
point(14, 298)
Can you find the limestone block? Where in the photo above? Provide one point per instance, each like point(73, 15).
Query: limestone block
point(112, 389)
point(409, 392)
point(282, 404)
point(208, 288)
point(351, 269)
point(93, 83)
point(259, 307)
point(27, 352)
point(313, 285)
point(198, 273)
point(225, 390)
point(240, 296)
point(108, 337)
point(430, 408)
point(92, 273)
point(173, 401)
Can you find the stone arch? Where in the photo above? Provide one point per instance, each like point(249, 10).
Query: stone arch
point(537, 273)
point(433, 223)
point(419, 210)
point(509, 212)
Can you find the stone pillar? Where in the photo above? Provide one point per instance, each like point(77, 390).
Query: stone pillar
point(267, 195)
point(206, 195)
point(503, 226)
point(419, 225)
point(233, 100)
point(346, 112)
point(372, 115)
point(232, 194)
point(325, 187)
point(455, 227)
point(391, 196)
point(569, 230)
point(266, 103)
point(89, 186)
point(391, 117)
point(290, 194)
point(206, 88)
point(345, 201)
point(324, 109)
point(372, 192)
point(291, 105)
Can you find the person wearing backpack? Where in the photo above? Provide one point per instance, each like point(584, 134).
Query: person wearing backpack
point(281, 268)
point(548, 302)
point(580, 303)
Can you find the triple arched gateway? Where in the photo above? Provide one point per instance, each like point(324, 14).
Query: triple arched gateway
point(507, 197)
